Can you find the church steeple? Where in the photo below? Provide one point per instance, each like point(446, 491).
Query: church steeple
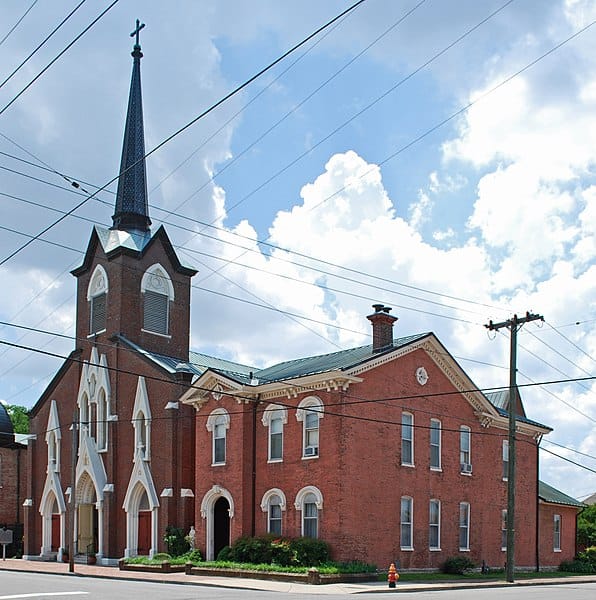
point(132, 209)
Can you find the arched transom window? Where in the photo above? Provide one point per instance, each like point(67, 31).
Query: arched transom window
point(97, 295)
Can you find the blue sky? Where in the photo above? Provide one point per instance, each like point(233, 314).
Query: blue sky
point(493, 212)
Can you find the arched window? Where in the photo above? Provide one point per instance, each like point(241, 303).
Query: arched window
point(158, 292)
point(102, 425)
point(83, 417)
point(274, 504)
point(309, 501)
point(275, 417)
point(310, 412)
point(218, 424)
point(97, 295)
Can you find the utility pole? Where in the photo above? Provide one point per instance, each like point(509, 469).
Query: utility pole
point(514, 325)
point(71, 502)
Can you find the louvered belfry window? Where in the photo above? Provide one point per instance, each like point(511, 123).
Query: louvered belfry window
point(155, 312)
point(97, 319)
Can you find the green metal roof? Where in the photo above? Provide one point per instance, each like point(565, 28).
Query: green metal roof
point(550, 494)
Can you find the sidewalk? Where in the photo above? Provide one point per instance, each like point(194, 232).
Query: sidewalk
point(82, 570)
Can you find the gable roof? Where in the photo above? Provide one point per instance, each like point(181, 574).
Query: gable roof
point(549, 494)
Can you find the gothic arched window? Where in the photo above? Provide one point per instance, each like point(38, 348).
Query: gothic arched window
point(158, 292)
point(97, 295)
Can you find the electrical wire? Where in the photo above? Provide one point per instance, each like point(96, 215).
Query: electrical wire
point(18, 22)
point(72, 12)
point(76, 39)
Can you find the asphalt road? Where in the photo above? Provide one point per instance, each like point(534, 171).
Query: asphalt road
point(38, 586)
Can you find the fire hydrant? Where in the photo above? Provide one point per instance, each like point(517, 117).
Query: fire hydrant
point(392, 576)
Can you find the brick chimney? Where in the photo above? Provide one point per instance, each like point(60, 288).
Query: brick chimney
point(382, 324)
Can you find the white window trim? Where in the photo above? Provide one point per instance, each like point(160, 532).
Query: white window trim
point(440, 445)
point(265, 504)
point(505, 449)
point(157, 279)
point(468, 430)
point(436, 548)
point(312, 404)
point(557, 519)
point(274, 411)
point(211, 422)
point(411, 440)
point(504, 521)
point(299, 505)
point(409, 548)
point(464, 548)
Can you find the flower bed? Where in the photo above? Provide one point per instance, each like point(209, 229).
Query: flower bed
point(162, 567)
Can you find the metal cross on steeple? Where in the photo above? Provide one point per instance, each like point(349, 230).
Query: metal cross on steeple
point(136, 31)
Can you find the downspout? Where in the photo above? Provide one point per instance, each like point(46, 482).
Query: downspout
point(18, 506)
point(253, 516)
point(538, 504)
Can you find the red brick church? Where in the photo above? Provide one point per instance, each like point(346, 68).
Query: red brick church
point(388, 451)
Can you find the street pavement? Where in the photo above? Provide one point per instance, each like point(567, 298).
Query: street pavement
point(97, 571)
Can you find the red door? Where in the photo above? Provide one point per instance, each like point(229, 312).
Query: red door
point(144, 542)
point(55, 533)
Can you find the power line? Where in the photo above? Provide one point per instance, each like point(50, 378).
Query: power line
point(556, 330)
point(568, 460)
point(72, 12)
point(179, 131)
point(76, 39)
point(18, 22)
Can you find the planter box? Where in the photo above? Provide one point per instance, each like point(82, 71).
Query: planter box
point(164, 567)
point(311, 577)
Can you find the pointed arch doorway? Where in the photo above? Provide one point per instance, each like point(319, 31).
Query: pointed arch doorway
point(87, 516)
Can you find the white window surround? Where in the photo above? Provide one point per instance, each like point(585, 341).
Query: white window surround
point(407, 439)
point(156, 279)
point(464, 526)
point(406, 522)
point(271, 413)
point(309, 489)
point(53, 438)
point(556, 533)
point(141, 422)
point(434, 523)
point(97, 292)
point(98, 284)
point(266, 503)
point(505, 460)
point(311, 405)
point(435, 440)
point(465, 450)
point(218, 416)
point(207, 504)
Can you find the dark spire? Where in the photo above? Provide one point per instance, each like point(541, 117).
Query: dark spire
point(132, 210)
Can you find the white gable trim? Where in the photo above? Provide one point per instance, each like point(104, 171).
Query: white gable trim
point(98, 284)
point(90, 462)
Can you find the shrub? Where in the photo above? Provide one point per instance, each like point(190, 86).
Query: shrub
point(576, 566)
point(457, 565)
point(174, 539)
point(224, 554)
point(588, 556)
point(309, 552)
point(162, 556)
point(255, 550)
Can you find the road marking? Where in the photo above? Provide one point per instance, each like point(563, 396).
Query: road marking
point(42, 595)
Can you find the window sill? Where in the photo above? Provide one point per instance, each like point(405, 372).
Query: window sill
point(408, 549)
point(92, 335)
point(557, 550)
point(436, 469)
point(310, 457)
point(274, 460)
point(163, 335)
point(409, 465)
point(435, 550)
point(466, 474)
point(464, 549)
point(220, 464)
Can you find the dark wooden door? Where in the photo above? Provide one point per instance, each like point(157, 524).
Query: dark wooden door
point(144, 542)
point(221, 526)
point(55, 533)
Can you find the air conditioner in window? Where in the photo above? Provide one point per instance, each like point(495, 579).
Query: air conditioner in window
point(466, 467)
point(311, 451)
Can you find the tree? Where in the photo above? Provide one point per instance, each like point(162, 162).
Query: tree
point(586, 527)
point(19, 416)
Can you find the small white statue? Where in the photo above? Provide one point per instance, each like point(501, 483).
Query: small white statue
point(192, 534)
